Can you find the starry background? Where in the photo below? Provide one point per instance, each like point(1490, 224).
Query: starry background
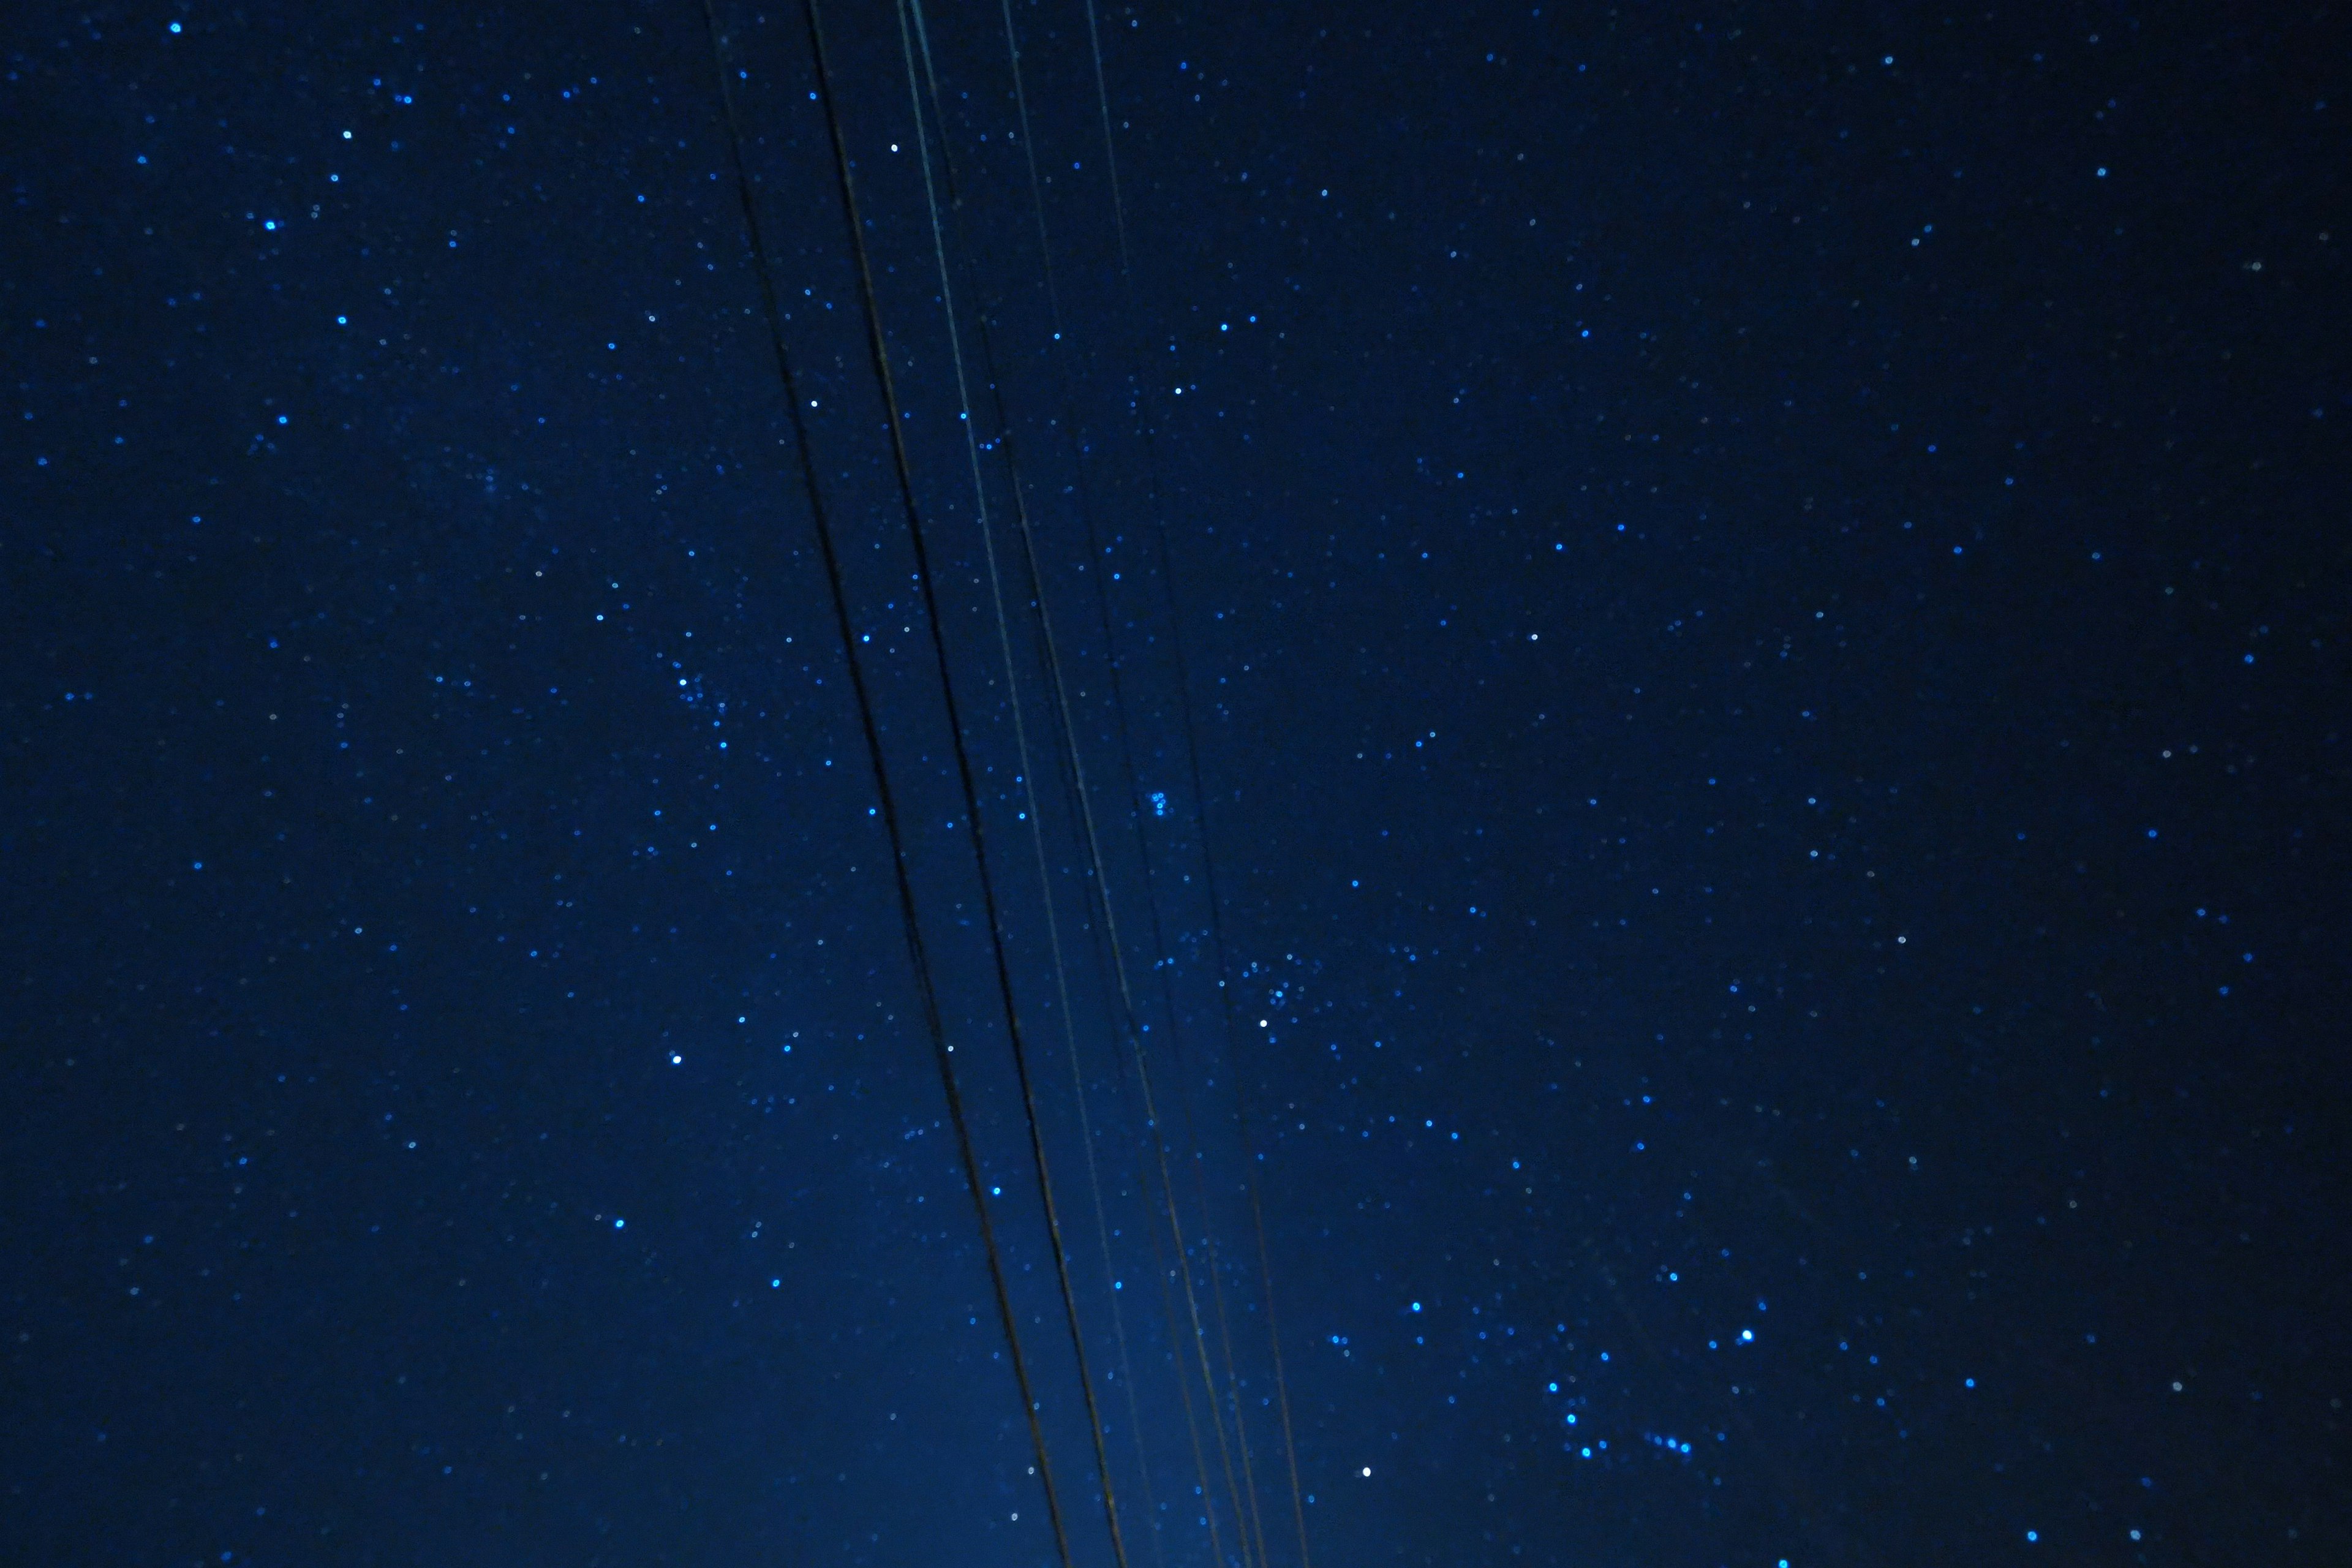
point(1759, 599)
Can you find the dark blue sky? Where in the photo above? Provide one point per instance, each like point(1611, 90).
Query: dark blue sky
point(1706, 652)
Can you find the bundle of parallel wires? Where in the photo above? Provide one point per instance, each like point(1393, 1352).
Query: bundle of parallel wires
point(1188, 1260)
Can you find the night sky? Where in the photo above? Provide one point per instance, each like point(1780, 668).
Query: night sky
point(1670, 682)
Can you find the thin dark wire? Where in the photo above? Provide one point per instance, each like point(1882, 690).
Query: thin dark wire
point(1233, 1066)
point(1200, 817)
point(1165, 970)
point(1163, 1273)
point(916, 952)
point(1243, 1521)
point(1029, 148)
point(1043, 625)
point(1134, 1034)
point(1246, 1522)
point(1225, 997)
point(1114, 963)
point(1232, 1372)
point(972, 803)
point(1110, 150)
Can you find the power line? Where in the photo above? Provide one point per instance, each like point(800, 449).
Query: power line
point(1007, 444)
point(876, 342)
point(972, 802)
point(1245, 1519)
point(1200, 812)
point(911, 926)
point(1110, 149)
